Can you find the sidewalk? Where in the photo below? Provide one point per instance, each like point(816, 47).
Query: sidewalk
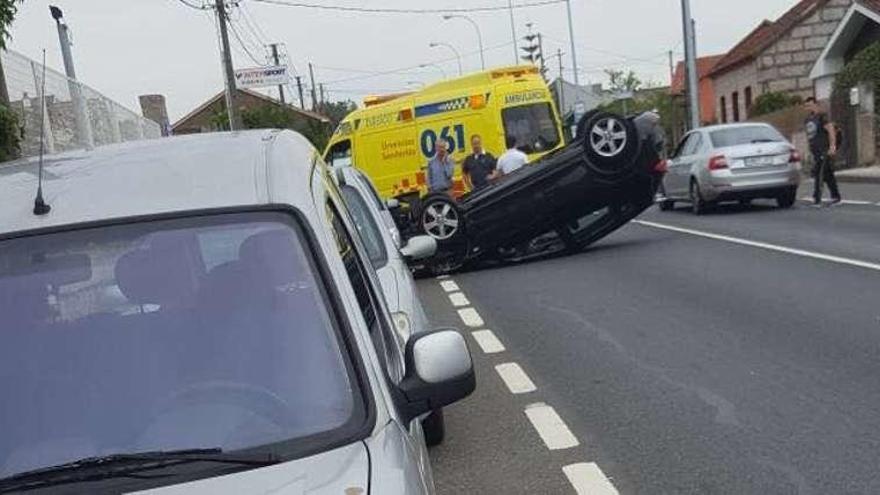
point(864, 175)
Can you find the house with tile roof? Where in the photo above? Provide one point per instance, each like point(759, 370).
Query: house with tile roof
point(775, 56)
point(678, 89)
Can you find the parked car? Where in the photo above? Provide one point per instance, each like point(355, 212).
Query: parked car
point(390, 260)
point(199, 315)
point(581, 192)
point(733, 162)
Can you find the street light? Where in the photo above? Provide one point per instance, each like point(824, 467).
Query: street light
point(435, 44)
point(479, 34)
point(435, 66)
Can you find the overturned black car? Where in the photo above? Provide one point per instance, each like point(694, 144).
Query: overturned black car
point(571, 197)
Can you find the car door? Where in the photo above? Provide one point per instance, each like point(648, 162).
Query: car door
point(387, 342)
point(676, 181)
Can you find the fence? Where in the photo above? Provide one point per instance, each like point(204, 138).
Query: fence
point(76, 115)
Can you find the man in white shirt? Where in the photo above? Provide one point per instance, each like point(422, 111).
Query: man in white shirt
point(512, 159)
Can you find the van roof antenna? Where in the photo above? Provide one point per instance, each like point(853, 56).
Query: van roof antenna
point(40, 206)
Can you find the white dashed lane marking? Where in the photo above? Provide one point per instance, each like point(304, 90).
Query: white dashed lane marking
point(763, 245)
point(550, 427)
point(458, 299)
point(470, 317)
point(488, 342)
point(442, 277)
point(515, 378)
point(588, 479)
point(449, 285)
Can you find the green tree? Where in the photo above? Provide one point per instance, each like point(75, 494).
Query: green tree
point(10, 134)
point(655, 100)
point(773, 101)
point(621, 81)
point(337, 110)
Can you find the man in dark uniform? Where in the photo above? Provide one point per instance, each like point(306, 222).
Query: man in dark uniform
point(479, 166)
point(823, 146)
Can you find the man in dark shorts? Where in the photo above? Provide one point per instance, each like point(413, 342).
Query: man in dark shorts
point(823, 146)
point(479, 166)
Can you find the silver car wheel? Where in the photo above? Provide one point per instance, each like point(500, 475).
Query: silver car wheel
point(608, 137)
point(440, 221)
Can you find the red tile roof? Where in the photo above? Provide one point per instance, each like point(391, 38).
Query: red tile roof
point(871, 4)
point(766, 34)
point(704, 67)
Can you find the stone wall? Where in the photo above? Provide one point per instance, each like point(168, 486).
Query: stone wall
point(736, 80)
point(785, 65)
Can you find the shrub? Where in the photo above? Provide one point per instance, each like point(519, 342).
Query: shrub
point(772, 102)
point(10, 134)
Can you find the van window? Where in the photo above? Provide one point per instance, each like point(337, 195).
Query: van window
point(533, 126)
point(339, 154)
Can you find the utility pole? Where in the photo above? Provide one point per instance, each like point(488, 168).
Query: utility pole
point(574, 63)
point(80, 109)
point(513, 33)
point(231, 92)
point(299, 88)
point(314, 94)
point(561, 85)
point(321, 86)
point(274, 47)
point(693, 90)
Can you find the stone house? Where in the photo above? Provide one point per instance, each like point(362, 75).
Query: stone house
point(204, 118)
point(678, 89)
point(777, 56)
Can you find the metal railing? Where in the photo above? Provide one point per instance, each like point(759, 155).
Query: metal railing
point(76, 116)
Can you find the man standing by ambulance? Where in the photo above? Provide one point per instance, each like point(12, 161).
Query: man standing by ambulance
point(479, 167)
point(441, 169)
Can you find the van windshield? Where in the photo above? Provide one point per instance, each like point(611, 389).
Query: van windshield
point(128, 338)
point(533, 126)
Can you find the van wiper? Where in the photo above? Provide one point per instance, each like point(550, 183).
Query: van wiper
point(763, 140)
point(120, 465)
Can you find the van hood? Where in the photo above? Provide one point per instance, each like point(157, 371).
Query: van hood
point(343, 471)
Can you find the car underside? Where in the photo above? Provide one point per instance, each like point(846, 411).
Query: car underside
point(567, 200)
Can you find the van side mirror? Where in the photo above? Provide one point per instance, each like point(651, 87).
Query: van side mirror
point(439, 372)
point(418, 248)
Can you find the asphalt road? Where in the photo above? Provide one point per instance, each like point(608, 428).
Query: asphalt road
point(734, 353)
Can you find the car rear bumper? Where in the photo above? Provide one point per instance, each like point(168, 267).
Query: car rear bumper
point(733, 184)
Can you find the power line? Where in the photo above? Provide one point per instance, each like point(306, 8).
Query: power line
point(252, 26)
point(244, 47)
point(193, 6)
point(368, 10)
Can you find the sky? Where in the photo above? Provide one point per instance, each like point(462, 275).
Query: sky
point(125, 48)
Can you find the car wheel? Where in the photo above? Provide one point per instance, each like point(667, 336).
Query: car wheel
point(745, 202)
point(698, 204)
point(434, 427)
point(787, 199)
point(666, 205)
point(440, 217)
point(610, 142)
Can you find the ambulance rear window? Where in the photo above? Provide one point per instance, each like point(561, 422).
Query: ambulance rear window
point(533, 126)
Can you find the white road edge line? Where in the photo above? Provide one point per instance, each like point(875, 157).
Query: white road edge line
point(588, 479)
point(458, 299)
point(857, 202)
point(470, 317)
point(550, 427)
point(442, 277)
point(517, 381)
point(488, 342)
point(763, 245)
point(449, 286)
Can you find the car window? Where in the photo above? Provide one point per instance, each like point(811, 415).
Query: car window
point(123, 339)
point(384, 339)
point(735, 136)
point(688, 146)
point(533, 126)
point(339, 155)
point(366, 226)
point(373, 193)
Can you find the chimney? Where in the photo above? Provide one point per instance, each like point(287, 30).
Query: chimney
point(153, 107)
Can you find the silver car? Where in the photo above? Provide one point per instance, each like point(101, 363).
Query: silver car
point(735, 162)
point(199, 315)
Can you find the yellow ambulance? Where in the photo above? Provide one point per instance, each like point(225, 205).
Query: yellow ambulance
point(392, 137)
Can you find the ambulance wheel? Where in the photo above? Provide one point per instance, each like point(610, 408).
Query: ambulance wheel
point(441, 218)
point(610, 143)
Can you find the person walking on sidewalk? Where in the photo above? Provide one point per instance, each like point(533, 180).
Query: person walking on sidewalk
point(441, 169)
point(823, 146)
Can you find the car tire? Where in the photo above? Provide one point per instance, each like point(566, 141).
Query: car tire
point(610, 142)
point(441, 218)
point(787, 199)
point(434, 427)
point(666, 205)
point(698, 204)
